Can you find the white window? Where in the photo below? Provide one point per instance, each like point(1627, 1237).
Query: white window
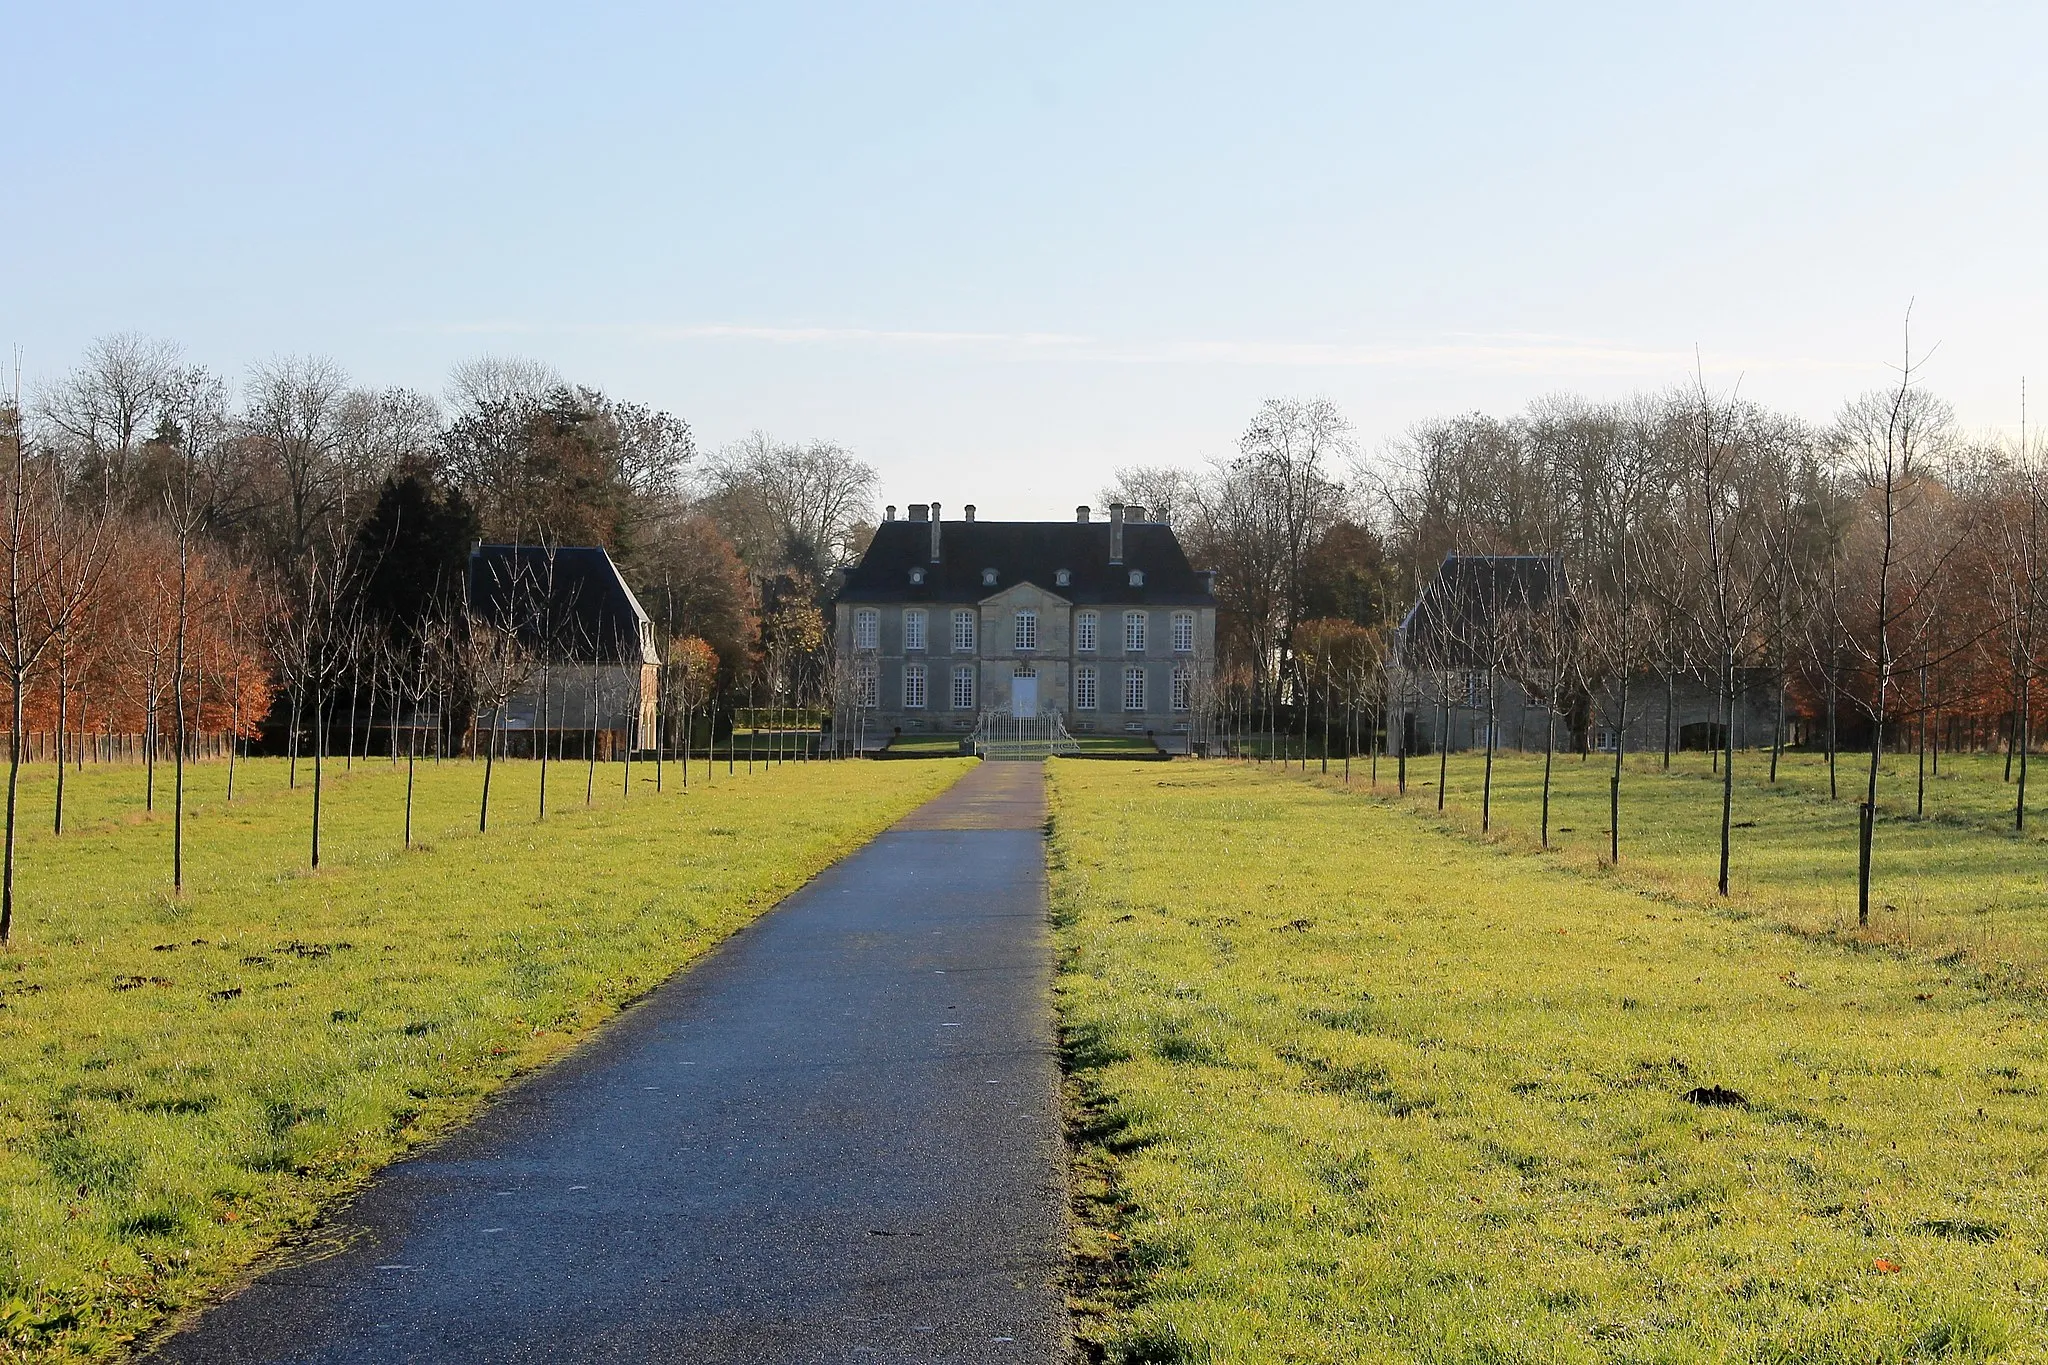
point(1084, 631)
point(988, 578)
point(867, 628)
point(913, 687)
point(1183, 632)
point(913, 628)
point(1063, 577)
point(1027, 630)
point(963, 632)
point(1085, 698)
point(1134, 689)
point(1137, 578)
point(963, 688)
point(1134, 632)
point(1181, 681)
point(917, 575)
point(867, 685)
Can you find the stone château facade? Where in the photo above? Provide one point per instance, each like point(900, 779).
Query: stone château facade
point(1103, 622)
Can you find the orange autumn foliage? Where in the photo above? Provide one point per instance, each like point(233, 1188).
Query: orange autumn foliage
point(116, 664)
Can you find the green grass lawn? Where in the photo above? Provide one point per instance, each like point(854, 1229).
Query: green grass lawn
point(925, 745)
point(1959, 877)
point(1352, 1087)
point(185, 1080)
point(1115, 744)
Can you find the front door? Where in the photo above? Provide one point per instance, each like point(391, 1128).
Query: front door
point(1023, 697)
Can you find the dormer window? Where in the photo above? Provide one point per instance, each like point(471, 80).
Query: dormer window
point(1137, 578)
point(1063, 578)
point(988, 578)
point(917, 575)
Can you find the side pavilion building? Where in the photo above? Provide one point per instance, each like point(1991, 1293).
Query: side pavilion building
point(589, 674)
point(1103, 623)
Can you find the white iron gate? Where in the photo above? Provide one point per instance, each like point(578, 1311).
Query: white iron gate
point(1001, 735)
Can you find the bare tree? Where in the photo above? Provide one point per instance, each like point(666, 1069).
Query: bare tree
point(2010, 567)
point(1718, 550)
point(25, 634)
point(1890, 440)
point(296, 410)
point(196, 435)
point(498, 661)
point(71, 601)
point(789, 506)
point(107, 407)
point(325, 626)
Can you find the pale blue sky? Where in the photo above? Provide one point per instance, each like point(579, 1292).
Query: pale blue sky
point(999, 252)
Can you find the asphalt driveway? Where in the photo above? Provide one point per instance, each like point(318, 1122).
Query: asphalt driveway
point(834, 1139)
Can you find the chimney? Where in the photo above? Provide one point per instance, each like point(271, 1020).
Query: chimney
point(1133, 512)
point(1081, 514)
point(918, 511)
point(889, 512)
point(935, 533)
point(970, 511)
point(1116, 533)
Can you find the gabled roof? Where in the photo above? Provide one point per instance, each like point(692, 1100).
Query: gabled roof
point(1025, 551)
point(1460, 609)
point(572, 592)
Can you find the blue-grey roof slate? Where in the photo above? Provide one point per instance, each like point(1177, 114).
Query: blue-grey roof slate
point(1026, 552)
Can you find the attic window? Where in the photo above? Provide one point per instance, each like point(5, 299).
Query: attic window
point(988, 578)
point(1063, 577)
point(917, 575)
point(1137, 578)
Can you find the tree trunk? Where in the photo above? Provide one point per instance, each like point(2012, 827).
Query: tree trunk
point(2023, 735)
point(1350, 732)
point(63, 662)
point(483, 814)
point(1326, 729)
point(1549, 752)
point(234, 733)
point(1778, 731)
point(178, 695)
point(1728, 767)
point(1670, 700)
point(1920, 731)
point(1486, 791)
point(149, 747)
point(319, 753)
point(1443, 753)
point(20, 685)
point(1867, 821)
point(590, 747)
point(1834, 789)
point(1401, 758)
point(1614, 780)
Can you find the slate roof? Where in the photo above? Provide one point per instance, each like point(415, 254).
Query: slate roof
point(1448, 625)
point(1025, 552)
point(592, 606)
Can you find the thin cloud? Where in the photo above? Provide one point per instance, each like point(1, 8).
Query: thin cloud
point(1515, 352)
point(743, 332)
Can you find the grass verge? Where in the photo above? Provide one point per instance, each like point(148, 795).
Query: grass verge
point(1347, 1089)
point(1957, 877)
point(187, 1080)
